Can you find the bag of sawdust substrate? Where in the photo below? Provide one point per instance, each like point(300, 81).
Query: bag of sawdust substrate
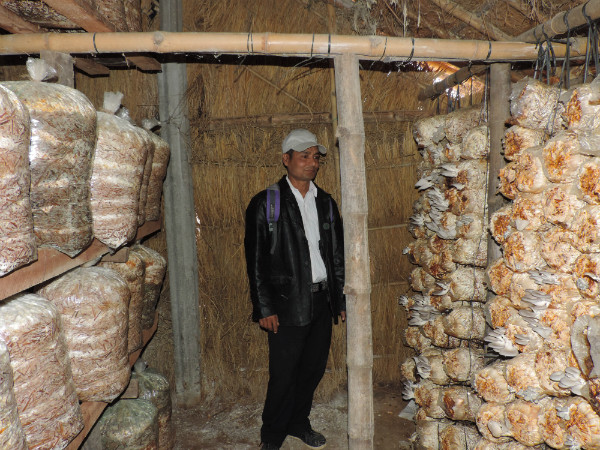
point(130, 424)
point(154, 386)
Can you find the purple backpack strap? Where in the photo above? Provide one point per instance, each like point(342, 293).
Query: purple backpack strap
point(273, 209)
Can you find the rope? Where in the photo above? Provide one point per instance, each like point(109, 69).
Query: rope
point(412, 52)
point(592, 44)
point(566, 67)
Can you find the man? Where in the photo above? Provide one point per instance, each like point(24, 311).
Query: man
point(296, 273)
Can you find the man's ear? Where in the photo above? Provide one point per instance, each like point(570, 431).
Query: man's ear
point(285, 159)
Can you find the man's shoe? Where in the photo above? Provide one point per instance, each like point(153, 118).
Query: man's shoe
point(269, 446)
point(312, 438)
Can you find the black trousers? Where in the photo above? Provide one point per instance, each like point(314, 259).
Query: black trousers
point(297, 361)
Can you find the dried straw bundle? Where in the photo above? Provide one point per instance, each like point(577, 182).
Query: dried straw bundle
point(132, 272)
point(43, 385)
point(93, 304)
point(121, 154)
point(17, 241)
point(63, 135)
point(11, 432)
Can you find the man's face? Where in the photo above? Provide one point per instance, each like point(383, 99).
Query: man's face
point(303, 166)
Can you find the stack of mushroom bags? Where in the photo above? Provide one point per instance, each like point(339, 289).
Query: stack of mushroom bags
point(446, 315)
point(70, 340)
point(543, 389)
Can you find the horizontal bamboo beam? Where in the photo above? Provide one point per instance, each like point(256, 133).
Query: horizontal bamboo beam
point(450, 81)
point(472, 20)
point(85, 16)
point(306, 45)
point(556, 25)
point(274, 120)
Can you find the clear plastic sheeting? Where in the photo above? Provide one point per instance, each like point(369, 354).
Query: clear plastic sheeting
point(132, 272)
point(63, 135)
point(156, 267)
point(153, 386)
point(129, 424)
point(94, 307)
point(11, 432)
point(17, 241)
point(117, 176)
point(43, 385)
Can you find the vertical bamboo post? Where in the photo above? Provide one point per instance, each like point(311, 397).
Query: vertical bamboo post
point(351, 135)
point(499, 114)
point(331, 27)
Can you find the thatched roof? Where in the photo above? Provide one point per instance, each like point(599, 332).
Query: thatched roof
point(446, 19)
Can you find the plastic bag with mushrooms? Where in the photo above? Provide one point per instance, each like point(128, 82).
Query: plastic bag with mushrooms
point(17, 240)
point(63, 135)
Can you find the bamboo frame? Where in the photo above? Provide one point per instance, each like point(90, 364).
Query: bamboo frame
point(359, 347)
point(306, 45)
point(556, 25)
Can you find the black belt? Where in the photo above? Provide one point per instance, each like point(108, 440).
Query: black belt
point(318, 287)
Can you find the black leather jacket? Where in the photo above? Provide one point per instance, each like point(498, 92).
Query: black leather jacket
point(280, 282)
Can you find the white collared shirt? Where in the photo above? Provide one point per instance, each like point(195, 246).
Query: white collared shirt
point(310, 220)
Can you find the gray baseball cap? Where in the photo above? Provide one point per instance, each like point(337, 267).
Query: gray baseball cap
point(301, 139)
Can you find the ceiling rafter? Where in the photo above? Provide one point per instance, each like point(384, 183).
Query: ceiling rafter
point(517, 5)
point(472, 20)
point(81, 13)
point(15, 24)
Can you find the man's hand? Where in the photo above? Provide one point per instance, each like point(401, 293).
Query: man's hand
point(270, 323)
point(343, 315)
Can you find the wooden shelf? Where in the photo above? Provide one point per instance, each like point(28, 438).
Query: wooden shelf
point(93, 410)
point(51, 263)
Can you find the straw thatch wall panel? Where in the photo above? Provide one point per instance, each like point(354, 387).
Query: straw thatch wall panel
point(233, 162)
point(389, 322)
point(388, 264)
point(140, 91)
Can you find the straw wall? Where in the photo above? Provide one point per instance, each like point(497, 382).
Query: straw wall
point(234, 160)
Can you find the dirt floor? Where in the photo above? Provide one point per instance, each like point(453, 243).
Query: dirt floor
point(238, 426)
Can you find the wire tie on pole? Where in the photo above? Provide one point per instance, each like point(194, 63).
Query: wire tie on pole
point(489, 50)
point(329, 45)
point(94, 42)
point(384, 49)
point(312, 45)
point(412, 52)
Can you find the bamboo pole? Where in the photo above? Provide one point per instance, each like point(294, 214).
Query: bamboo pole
point(351, 135)
point(500, 86)
point(277, 120)
point(556, 25)
point(472, 20)
point(306, 45)
point(331, 27)
point(450, 81)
